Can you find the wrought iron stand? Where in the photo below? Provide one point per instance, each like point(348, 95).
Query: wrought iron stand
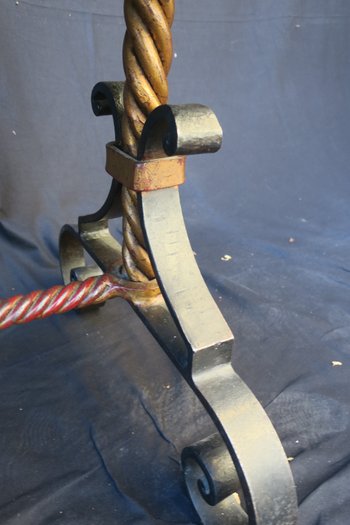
point(240, 475)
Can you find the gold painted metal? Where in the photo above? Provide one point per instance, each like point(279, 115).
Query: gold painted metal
point(144, 175)
point(147, 57)
point(147, 54)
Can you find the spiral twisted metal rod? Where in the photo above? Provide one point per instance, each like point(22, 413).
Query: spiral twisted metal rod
point(40, 304)
point(147, 57)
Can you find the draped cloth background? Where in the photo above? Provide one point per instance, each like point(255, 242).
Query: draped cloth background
point(93, 416)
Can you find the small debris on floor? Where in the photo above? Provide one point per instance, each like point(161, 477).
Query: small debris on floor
point(337, 363)
point(290, 459)
point(291, 240)
point(226, 258)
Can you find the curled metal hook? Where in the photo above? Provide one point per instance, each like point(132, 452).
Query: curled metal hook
point(169, 130)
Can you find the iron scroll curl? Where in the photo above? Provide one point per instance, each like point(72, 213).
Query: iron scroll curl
point(170, 130)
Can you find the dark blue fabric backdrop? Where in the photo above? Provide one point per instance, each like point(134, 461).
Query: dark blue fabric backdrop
point(93, 416)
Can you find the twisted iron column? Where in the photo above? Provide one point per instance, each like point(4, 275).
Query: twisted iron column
point(147, 56)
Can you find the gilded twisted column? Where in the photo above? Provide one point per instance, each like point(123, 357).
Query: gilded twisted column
point(147, 56)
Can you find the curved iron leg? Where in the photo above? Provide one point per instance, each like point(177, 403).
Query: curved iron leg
point(241, 475)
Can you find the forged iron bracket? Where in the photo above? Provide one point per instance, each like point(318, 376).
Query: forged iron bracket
point(240, 475)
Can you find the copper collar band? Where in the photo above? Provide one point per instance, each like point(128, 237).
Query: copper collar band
point(144, 175)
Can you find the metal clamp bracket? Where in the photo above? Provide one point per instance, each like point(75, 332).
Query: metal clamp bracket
point(144, 175)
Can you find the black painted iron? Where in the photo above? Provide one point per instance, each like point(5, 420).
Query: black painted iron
point(241, 474)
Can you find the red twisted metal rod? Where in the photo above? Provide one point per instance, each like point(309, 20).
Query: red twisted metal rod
point(147, 57)
point(40, 304)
